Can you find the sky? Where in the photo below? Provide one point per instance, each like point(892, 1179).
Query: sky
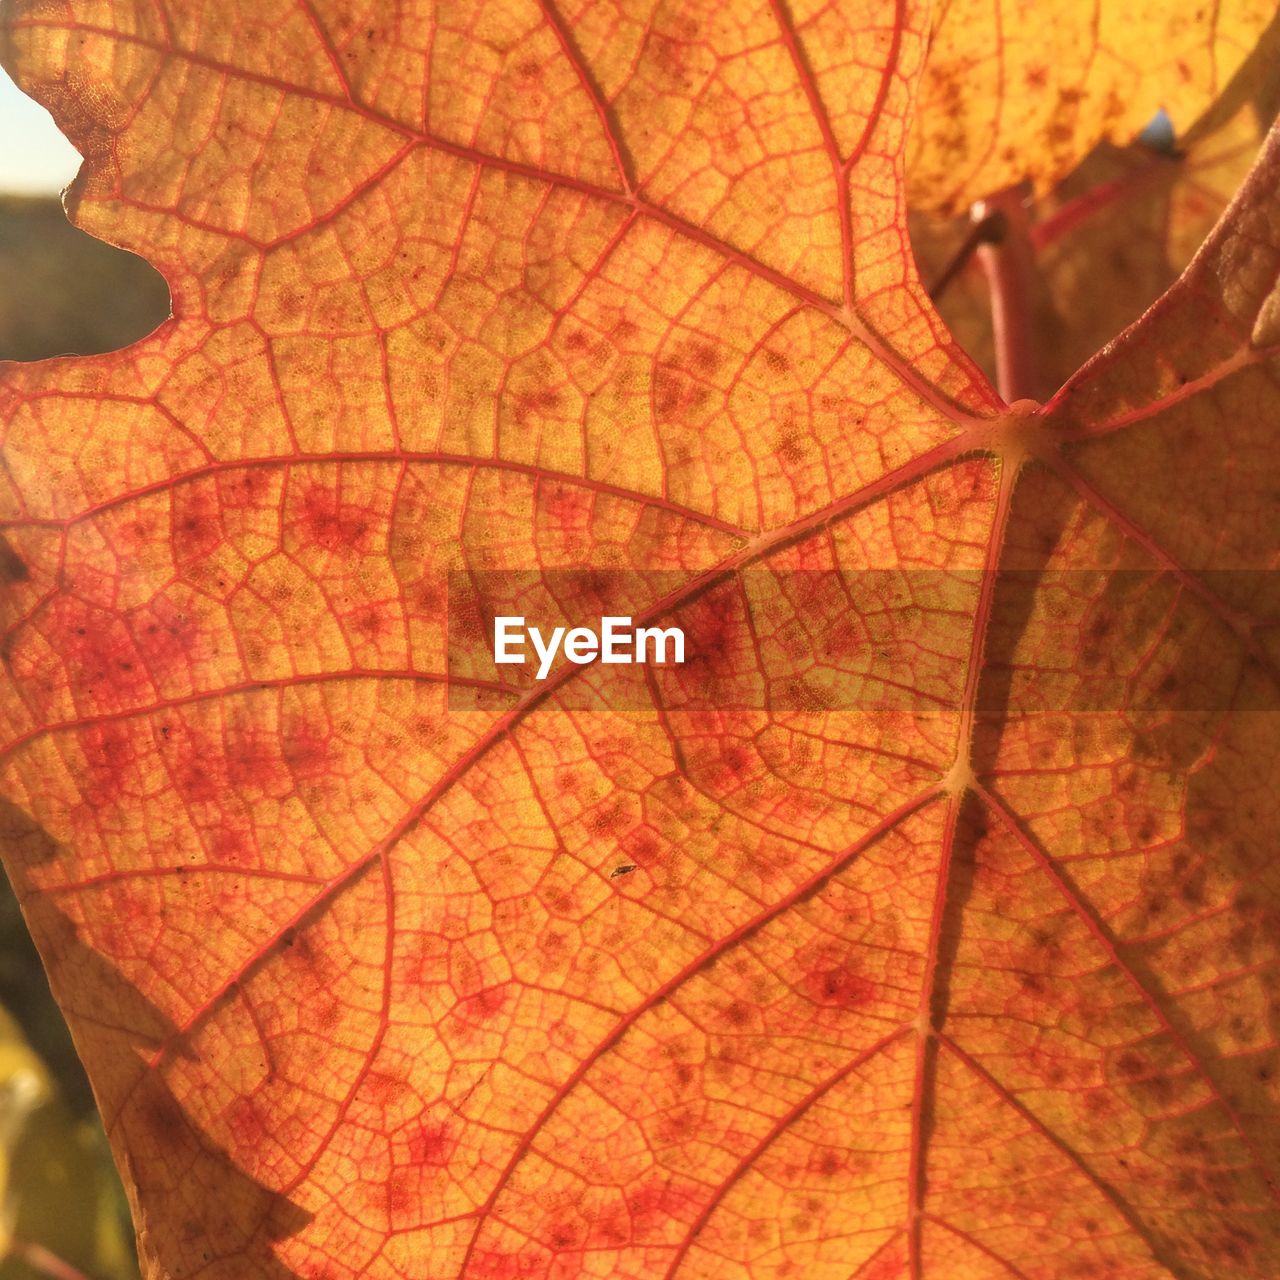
point(34, 157)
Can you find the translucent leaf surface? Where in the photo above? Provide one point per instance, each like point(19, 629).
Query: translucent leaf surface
point(963, 968)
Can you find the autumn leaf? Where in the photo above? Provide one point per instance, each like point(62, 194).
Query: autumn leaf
point(1015, 91)
point(976, 983)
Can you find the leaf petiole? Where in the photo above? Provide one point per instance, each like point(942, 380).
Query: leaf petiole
point(44, 1261)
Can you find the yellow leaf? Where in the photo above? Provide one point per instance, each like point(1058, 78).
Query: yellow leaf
point(1015, 89)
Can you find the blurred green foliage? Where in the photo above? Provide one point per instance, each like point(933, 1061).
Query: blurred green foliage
point(59, 1192)
point(64, 293)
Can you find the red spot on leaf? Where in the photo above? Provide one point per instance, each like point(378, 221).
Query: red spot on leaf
point(253, 758)
point(306, 749)
point(196, 524)
point(326, 521)
point(98, 656)
point(534, 404)
point(834, 982)
point(889, 1264)
point(110, 756)
point(433, 1143)
point(565, 507)
point(246, 1124)
point(166, 637)
point(484, 1005)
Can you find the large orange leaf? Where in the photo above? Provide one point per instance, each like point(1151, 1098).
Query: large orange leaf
point(952, 962)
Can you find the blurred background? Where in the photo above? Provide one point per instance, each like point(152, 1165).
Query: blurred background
point(64, 292)
point(63, 1214)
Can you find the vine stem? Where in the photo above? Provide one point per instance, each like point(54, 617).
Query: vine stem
point(1144, 174)
point(984, 231)
point(44, 1261)
point(1008, 262)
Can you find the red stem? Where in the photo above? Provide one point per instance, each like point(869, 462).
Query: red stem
point(1009, 265)
point(1144, 173)
point(43, 1260)
point(985, 231)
